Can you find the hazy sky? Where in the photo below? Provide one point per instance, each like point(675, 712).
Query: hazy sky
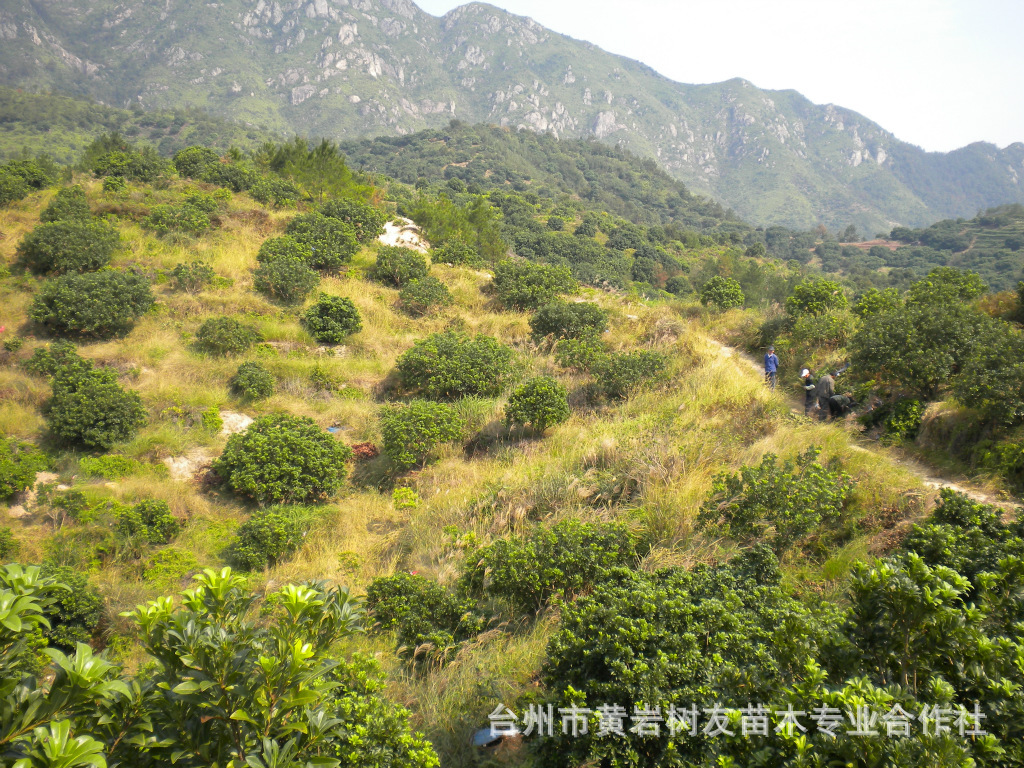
point(937, 73)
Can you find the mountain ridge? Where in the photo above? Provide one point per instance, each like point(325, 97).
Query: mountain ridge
point(349, 69)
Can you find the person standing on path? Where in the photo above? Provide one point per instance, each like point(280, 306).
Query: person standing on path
point(826, 388)
point(771, 367)
point(810, 390)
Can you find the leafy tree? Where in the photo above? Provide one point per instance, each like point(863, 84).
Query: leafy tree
point(286, 279)
point(412, 431)
point(320, 171)
point(226, 336)
point(332, 242)
point(283, 459)
point(12, 187)
point(19, 463)
point(193, 162)
point(873, 302)
point(540, 403)
point(568, 320)
point(456, 252)
point(269, 536)
point(366, 221)
point(69, 204)
point(192, 277)
point(89, 408)
point(188, 218)
point(524, 285)
point(332, 319)
point(946, 284)
point(421, 295)
point(450, 365)
point(285, 246)
point(253, 381)
point(816, 297)
point(777, 504)
point(92, 305)
point(992, 378)
point(722, 293)
point(396, 266)
point(75, 613)
point(68, 245)
point(149, 521)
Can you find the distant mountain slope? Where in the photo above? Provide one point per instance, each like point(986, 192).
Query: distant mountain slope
point(353, 68)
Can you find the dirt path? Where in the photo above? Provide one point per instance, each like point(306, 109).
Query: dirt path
point(928, 475)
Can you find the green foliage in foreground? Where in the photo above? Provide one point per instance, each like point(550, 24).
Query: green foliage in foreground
point(253, 381)
point(90, 409)
point(332, 243)
point(421, 295)
point(396, 266)
point(269, 536)
point(722, 293)
point(69, 204)
point(226, 336)
point(568, 320)
point(522, 284)
point(332, 319)
point(539, 403)
point(450, 365)
point(68, 245)
point(19, 463)
point(286, 279)
point(96, 305)
point(283, 459)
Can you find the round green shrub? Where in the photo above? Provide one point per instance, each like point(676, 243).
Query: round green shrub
point(396, 266)
point(143, 165)
point(12, 187)
point(722, 292)
point(192, 277)
point(815, 296)
point(37, 173)
point(253, 381)
point(237, 178)
point(450, 365)
point(273, 190)
point(188, 218)
point(332, 319)
point(456, 252)
point(619, 375)
point(114, 184)
point(96, 305)
point(226, 336)
point(285, 246)
point(68, 246)
point(539, 403)
point(89, 408)
point(678, 285)
point(412, 431)
point(285, 279)
point(521, 284)
point(193, 162)
point(149, 521)
point(366, 221)
point(19, 463)
point(569, 320)
point(283, 459)
point(333, 242)
point(269, 536)
point(69, 204)
point(421, 295)
point(76, 613)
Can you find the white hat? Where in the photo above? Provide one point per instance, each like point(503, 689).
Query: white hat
point(804, 372)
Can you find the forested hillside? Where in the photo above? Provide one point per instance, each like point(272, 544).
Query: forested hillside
point(499, 481)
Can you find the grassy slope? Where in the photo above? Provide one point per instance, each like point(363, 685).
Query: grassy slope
point(711, 415)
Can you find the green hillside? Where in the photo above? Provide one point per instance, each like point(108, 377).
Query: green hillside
point(384, 67)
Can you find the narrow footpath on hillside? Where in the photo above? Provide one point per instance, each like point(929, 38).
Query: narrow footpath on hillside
point(929, 476)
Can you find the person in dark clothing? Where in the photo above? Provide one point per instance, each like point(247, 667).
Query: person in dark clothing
point(826, 388)
point(771, 367)
point(840, 405)
point(810, 387)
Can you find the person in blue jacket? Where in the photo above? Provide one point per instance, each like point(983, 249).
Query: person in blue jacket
point(771, 367)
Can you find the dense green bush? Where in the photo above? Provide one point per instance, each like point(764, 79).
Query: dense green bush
point(412, 431)
point(37, 173)
point(233, 176)
point(366, 221)
point(69, 204)
point(226, 336)
point(679, 285)
point(193, 162)
point(68, 246)
point(457, 252)
point(421, 295)
point(143, 165)
point(253, 381)
point(902, 421)
point(192, 277)
point(581, 354)
point(9, 546)
point(114, 184)
point(269, 536)
point(333, 243)
point(187, 218)
point(109, 467)
point(288, 280)
point(450, 365)
point(521, 284)
point(421, 611)
point(285, 246)
point(275, 190)
point(566, 559)
point(283, 459)
point(96, 305)
point(89, 408)
point(569, 320)
point(396, 266)
point(539, 403)
point(75, 615)
point(815, 296)
point(332, 319)
point(46, 361)
point(149, 522)
point(777, 504)
point(12, 187)
point(620, 375)
point(19, 463)
point(722, 293)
